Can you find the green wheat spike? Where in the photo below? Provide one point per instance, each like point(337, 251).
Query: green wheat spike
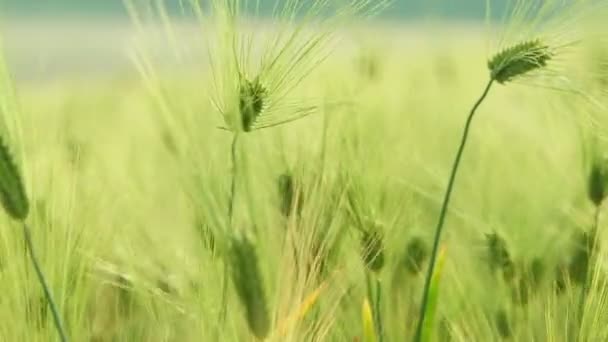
point(12, 192)
point(519, 60)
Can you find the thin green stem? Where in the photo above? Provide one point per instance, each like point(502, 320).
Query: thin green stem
point(374, 294)
point(44, 284)
point(370, 296)
point(231, 200)
point(442, 215)
point(588, 279)
point(377, 310)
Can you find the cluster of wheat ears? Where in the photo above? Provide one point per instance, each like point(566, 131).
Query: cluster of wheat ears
point(253, 89)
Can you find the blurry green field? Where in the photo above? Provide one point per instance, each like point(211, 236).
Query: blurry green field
point(123, 207)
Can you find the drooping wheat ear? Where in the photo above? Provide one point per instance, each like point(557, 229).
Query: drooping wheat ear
point(249, 285)
point(252, 99)
point(519, 60)
point(12, 192)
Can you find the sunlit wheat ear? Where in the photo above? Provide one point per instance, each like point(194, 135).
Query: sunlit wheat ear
point(416, 253)
point(252, 98)
point(519, 60)
point(12, 192)
point(249, 285)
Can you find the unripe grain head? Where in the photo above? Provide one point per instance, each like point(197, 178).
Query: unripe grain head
point(536, 272)
point(249, 285)
point(579, 265)
point(521, 291)
point(597, 182)
point(255, 71)
point(252, 97)
point(415, 255)
point(497, 252)
point(290, 195)
point(372, 250)
point(519, 60)
point(561, 278)
point(12, 192)
point(503, 324)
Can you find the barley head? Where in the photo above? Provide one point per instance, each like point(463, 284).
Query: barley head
point(509, 271)
point(561, 278)
point(503, 324)
point(597, 182)
point(372, 250)
point(521, 291)
point(579, 265)
point(12, 192)
point(536, 272)
point(289, 199)
point(249, 285)
point(519, 60)
point(252, 97)
point(255, 72)
point(416, 254)
point(497, 252)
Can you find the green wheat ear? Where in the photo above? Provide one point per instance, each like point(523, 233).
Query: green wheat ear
point(372, 249)
point(503, 324)
point(12, 192)
point(290, 194)
point(252, 98)
point(519, 60)
point(249, 285)
point(497, 251)
point(597, 182)
point(416, 255)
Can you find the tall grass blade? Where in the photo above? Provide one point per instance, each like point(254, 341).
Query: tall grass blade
point(369, 329)
point(429, 323)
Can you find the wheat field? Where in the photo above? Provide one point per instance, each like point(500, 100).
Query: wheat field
point(146, 230)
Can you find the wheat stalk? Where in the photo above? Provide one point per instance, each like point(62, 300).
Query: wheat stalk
point(15, 202)
point(506, 66)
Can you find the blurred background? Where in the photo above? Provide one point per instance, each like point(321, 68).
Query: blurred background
point(47, 39)
point(400, 8)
